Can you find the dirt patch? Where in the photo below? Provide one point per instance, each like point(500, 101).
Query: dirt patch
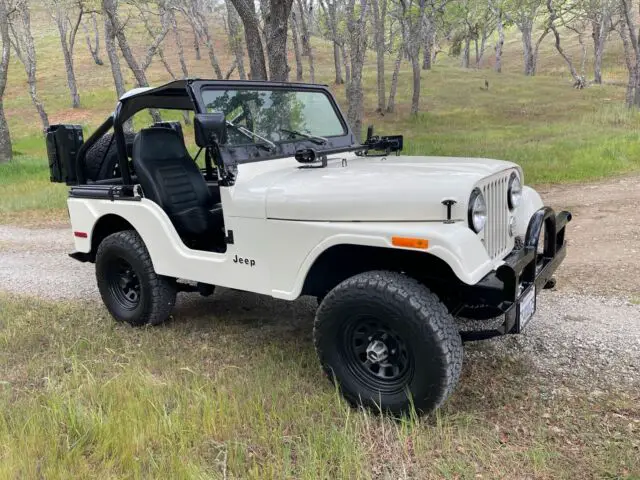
point(603, 257)
point(71, 115)
point(34, 219)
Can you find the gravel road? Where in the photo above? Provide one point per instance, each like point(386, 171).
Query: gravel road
point(586, 331)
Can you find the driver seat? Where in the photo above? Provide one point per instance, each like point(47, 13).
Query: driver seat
point(169, 177)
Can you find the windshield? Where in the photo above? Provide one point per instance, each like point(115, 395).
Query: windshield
point(274, 115)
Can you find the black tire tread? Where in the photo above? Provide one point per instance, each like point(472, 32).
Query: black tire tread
point(163, 289)
point(432, 319)
point(100, 158)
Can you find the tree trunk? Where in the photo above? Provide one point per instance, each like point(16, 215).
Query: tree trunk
point(542, 36)
point(599, 40)
point(296, 47)
point(631, 53)
point(276, 37)
point(178, 39)
point(257, 65)
point(196, 41)
point(183, 64)
point(210, 50)
point(112, 54)
point(466, 53)
point(235, 39)
point(426, 58)
point(483, 47)
point(329, 10)
point(6, 152)
point(71, 77)
point(578, 81)
point(138, 72)
point(123, 43)
point(477, 49)
point(527, 45)
point(499, 43)
point(429, 40)
point(307, 49)
point(31, 81)
point(26, 52)
point(391, 105)
point(337, 64)
point(345, 62)
point(412, 24)
point(415, 98)
point(378, 36)
point(357, 35)
point(67, 41)
point(95, 51)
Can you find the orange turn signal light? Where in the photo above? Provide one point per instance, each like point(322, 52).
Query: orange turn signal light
point(408, 242)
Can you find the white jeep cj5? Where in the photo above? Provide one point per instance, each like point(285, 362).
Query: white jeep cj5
point(288, 203)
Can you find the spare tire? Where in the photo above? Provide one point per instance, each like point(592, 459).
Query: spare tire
point(101, 161)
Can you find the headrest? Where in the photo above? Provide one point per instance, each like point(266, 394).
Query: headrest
point(159, 143)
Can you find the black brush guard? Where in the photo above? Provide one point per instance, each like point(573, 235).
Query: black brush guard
point(523, 270)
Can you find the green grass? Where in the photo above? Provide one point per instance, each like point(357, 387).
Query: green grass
point(230, 391)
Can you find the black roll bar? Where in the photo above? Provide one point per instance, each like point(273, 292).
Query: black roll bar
point(101, 130)
point(121, 144)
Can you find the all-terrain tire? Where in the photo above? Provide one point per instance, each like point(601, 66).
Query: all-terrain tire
point(101, 161)
point(418, 327)
point(140, 296)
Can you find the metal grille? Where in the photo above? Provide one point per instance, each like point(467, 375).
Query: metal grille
point(496, 231)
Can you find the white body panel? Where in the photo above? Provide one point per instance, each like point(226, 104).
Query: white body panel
point(352, 188)
point(283, 217)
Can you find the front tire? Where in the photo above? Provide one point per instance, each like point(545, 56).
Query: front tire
point(389, 343)
point(130, 288)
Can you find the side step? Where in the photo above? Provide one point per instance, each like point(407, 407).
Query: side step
point(203, 289)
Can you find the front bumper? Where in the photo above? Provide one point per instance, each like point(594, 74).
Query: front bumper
point(524, 269)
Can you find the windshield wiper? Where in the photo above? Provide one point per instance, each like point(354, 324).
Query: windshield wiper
point(314, 138)
point(266, 143)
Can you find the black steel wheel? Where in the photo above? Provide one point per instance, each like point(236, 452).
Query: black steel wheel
point(124, 284)
point(377, 354)
point(130, 288)
point(389, 343)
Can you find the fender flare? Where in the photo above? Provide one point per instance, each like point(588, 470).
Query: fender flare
point(466, 256)
point(530, 203)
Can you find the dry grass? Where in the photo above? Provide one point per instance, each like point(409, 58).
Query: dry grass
point(233, 389)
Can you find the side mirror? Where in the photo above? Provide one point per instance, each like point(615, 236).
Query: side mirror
point(210, 129)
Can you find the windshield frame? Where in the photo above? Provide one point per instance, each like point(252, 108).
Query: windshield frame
point(252, 152)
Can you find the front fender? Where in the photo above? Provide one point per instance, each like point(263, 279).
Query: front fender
point(529, 204)
point(453, 243)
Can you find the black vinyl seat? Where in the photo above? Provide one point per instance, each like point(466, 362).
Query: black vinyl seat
point(169, 177)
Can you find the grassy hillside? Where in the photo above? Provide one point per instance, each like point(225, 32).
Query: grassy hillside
point(556, 133)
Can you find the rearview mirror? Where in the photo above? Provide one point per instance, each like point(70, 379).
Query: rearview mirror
point(210, 129)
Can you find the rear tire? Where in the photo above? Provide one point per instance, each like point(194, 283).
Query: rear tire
point(130, 288)
point(389, 343)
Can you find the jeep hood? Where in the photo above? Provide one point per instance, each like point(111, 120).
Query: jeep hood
point(393, 188)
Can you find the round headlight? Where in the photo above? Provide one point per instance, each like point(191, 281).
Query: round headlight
point(477, 211)
point(515, 191)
